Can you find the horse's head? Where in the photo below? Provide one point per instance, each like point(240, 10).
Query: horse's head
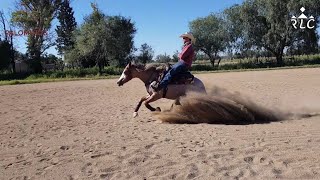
point(128, 73)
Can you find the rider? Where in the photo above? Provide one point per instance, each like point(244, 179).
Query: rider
point(183, 65)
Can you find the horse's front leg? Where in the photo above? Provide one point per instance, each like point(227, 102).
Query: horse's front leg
point(135, 114)
point(152, 98)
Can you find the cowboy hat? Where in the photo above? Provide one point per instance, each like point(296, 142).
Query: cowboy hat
point(190, 36)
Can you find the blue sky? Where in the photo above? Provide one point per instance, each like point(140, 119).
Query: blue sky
point(159, 22)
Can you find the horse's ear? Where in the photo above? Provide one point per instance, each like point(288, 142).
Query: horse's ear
point(129, 63)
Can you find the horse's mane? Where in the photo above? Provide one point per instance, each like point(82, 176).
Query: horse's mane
point(150, 66)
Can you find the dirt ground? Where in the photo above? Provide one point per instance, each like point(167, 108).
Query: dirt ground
point(85, 130)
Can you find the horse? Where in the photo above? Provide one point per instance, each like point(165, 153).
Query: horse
point(149, 75)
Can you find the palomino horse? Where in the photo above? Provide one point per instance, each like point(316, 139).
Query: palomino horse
point(149, 74)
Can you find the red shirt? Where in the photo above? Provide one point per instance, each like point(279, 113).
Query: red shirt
point(187, 54)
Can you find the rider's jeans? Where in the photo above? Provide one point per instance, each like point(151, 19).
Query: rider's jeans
point(177, 68)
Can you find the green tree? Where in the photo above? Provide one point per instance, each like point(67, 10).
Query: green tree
point(175, 56)
point(92, 40)
point(5, 49)
point(73, 58)
point(36, 15)
point(120, 31)
point(163, 58)
point(7, 39)
point(4, 26)
point(146, 53)
point(102, 40)
point(234, 26)
point(52, 60)
point(211, 34)
point(306, 40)
point(201, 56)
point(267, 25)
point(65, 39)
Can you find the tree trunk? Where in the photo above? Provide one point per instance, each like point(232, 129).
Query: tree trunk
point(13, 64)
point(219, 61)
point(37, 66)
point(34, 52)
point(212, 60)
point(279, 59)
point(100, 65)
point(144, 60)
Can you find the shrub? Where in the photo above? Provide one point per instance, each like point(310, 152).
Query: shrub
point(199, 66)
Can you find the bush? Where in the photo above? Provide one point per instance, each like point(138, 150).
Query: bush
point(230, 66)
point(35, 76)
point(302, 60)
point(261, 63)
point(200, 66)
point(111, 70)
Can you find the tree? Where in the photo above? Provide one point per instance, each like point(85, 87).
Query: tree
point(66, 28)
point(306, 40)
point(5, 49)
point(267, 25)
point(211, 35)
point(234, 26)
point(146, 53)
point(4, 24)
point(32, 15)
point(201, 56)
point(52, 62)
point(163, 58)
point(92, 40)
point(175, 56)
point(102, 40)
point(73, 58)
point(120, 31)
point(8, 39)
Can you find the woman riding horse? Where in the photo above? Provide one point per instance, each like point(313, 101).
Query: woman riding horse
point(151, 74)
point(183, 65)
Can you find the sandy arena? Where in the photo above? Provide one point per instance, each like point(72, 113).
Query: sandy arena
point(85, 130)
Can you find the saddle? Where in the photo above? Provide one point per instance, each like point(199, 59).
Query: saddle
point(181, 78)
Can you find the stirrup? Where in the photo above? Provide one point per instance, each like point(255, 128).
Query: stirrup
point(154, 86)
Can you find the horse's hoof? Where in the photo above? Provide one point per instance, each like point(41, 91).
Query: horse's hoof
point(135, 114)
point(158, 109)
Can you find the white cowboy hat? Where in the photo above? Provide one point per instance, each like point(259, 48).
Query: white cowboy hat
point(190, 36)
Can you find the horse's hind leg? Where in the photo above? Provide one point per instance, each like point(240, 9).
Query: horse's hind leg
point(175, 103)
point(135, 114)
point(152, 98)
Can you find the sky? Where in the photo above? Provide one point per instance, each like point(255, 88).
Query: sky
point(159, 23)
